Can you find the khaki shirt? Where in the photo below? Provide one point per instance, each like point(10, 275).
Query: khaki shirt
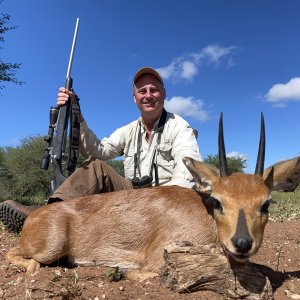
point(177, 141)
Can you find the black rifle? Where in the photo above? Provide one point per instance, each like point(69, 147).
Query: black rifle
point(59, 119)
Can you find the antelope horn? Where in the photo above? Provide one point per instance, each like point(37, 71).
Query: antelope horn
point(222, 152)
point(259, 170)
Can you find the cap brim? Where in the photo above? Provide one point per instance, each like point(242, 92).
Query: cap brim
point(147, 70)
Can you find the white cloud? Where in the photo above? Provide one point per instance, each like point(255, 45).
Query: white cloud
point(186, 67)
point(280, 93)
point(187, 107)
point(214, 53)
point(166, 72)
point(189, 70)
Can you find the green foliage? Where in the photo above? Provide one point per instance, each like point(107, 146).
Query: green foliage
point(7, 69)
point(1, 157)
point(115, 274)
point(20, 173)
point(117, 165)
point(234, 163)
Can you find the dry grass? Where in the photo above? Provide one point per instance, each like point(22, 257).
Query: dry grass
point(286, 206)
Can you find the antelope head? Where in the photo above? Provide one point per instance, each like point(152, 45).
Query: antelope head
point(239, 201)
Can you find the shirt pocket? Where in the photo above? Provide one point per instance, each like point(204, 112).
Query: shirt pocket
point(164, 155)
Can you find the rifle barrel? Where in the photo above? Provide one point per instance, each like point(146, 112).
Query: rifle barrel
point(73, 48)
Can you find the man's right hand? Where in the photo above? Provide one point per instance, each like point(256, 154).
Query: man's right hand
point(63, 96)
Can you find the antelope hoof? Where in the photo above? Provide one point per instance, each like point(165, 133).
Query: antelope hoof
point(33, 267)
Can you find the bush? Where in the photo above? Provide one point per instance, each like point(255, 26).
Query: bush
point(234, 164)
point(20, 174)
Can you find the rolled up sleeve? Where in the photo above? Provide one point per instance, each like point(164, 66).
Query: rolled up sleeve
point(107, 148)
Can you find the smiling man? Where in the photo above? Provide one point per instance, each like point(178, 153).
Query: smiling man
point(152, 148)
point(149, 95)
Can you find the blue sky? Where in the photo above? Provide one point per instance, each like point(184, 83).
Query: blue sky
point(236, 57)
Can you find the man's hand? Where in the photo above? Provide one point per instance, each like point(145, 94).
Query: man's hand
point(63, 96)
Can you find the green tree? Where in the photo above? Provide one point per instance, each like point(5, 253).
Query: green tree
point(1, 157)
point(234, 164)
point(20, 175)
point(4, 180)
point(7, 69)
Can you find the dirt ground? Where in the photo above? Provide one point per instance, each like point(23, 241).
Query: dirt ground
point(280, 254)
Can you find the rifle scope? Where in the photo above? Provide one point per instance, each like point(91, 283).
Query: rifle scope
point(48, 139)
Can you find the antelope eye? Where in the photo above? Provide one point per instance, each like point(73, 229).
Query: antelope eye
point(265, 207)
point(217, 204)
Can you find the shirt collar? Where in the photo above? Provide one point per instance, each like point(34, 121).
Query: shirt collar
point(140, 121)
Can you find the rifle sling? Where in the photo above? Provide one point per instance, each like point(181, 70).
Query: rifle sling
point(74, 133)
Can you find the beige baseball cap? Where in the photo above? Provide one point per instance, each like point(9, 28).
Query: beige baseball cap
point(147, 70)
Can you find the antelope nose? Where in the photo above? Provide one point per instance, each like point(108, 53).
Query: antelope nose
point(242, 244)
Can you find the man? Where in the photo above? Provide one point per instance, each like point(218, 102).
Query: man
point(152, 147)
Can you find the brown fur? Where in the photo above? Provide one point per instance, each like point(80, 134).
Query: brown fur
point(130, 228)
point(290, 171)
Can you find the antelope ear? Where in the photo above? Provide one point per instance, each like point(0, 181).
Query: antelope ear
point(286, 175)
point(269, 177)
point(203, 173)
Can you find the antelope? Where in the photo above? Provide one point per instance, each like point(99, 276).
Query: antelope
point(130, 229)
